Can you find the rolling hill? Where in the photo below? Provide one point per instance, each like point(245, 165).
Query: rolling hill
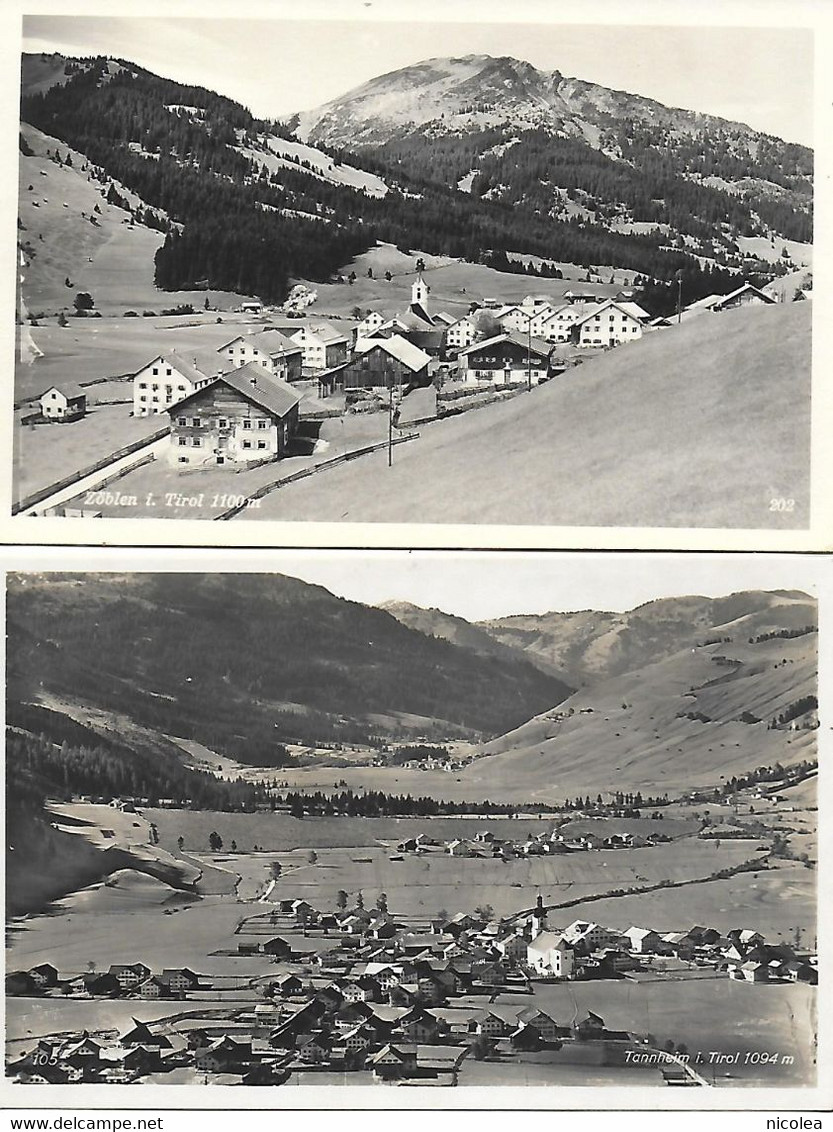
point(691, 720)
point(463, 634)
point(245, 662)
point(588, 646)
point(699, 425)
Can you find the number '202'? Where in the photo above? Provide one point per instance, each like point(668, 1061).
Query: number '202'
point(782, 504)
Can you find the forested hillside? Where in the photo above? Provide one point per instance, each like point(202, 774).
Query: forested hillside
point(246, 663)
point(199, 163)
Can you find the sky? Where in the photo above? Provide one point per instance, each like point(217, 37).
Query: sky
point(476, 585)
point(761, 75)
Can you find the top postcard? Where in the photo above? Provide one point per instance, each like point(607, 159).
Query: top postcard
point(413, 279)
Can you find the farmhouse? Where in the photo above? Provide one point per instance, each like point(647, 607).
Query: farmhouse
point(609, 324)
point(384, 363)
point(242, 416)
point(65, 402)
point(505, 359)
point(514, 318)
point(129, 975)
point(164, 381)
point(277, 353)
point(323, 346)
point(747, 295)
point(461, 333)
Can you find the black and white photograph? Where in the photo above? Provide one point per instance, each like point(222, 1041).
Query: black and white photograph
point(390, 269)
point(438, 819)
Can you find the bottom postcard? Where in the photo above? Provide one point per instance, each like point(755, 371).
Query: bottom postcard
point(459, 820)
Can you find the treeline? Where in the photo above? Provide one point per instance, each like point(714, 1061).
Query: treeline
point(769, 773)
point(376, 803)
point(783, 634)
point(648, 182)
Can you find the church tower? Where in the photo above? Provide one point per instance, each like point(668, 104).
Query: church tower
point(419, 292)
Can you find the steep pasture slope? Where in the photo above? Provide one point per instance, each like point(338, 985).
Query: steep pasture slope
point(633, 731)
point(697, 425)
point(111, 259)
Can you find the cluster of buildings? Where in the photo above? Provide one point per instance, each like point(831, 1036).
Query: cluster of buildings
point(240, 404)
point(487, 844)
point(405, 1001)
point(119, 981)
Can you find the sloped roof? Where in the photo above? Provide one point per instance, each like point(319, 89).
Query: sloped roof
point(272, 341)
point(546, 941)
point(398, 347)
point(324, 332)
point(70, 389)
point(256, 385)
point(599, 307)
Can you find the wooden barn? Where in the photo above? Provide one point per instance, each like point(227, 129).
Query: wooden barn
point(240, 417)
point(384, 363)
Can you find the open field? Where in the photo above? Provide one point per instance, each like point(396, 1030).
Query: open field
point(422, 885)
point(48, 452)
point(705, 1014)
point(454, 284)
point(734, 407)
point(91, 349)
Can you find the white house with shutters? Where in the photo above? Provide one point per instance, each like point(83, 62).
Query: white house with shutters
point(166, 380)
point(323, 345)
point(514, 318)
point(610, 324)
point(461, 333)
point(270, 349)
point(65, 402)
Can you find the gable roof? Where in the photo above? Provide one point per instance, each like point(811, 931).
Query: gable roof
point(518, 339)
point(252, 382)
point(70, 389)
point(272, 341)
point(188, 369)
point(599, 307)
point(323, 331)
point(398, 347)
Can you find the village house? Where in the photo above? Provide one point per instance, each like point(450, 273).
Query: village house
point(324, 347)
point(371, 322)
point(129, 975)
point(643, 940)
point(180, 979)
point(514, 318)
point(385, 363)
point(460, 333)
point(609, 324)
point(589, 936)
point(165, 381)
point(505, 359)
point(44, 976)
point(243, 416)
point(747, 295)
point(269, 348)
point(64, 402)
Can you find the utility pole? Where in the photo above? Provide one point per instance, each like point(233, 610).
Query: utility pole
point(679, 296)
point(529, 354)
point(391, 414)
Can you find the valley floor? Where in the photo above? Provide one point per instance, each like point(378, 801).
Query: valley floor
point(735, 1034)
